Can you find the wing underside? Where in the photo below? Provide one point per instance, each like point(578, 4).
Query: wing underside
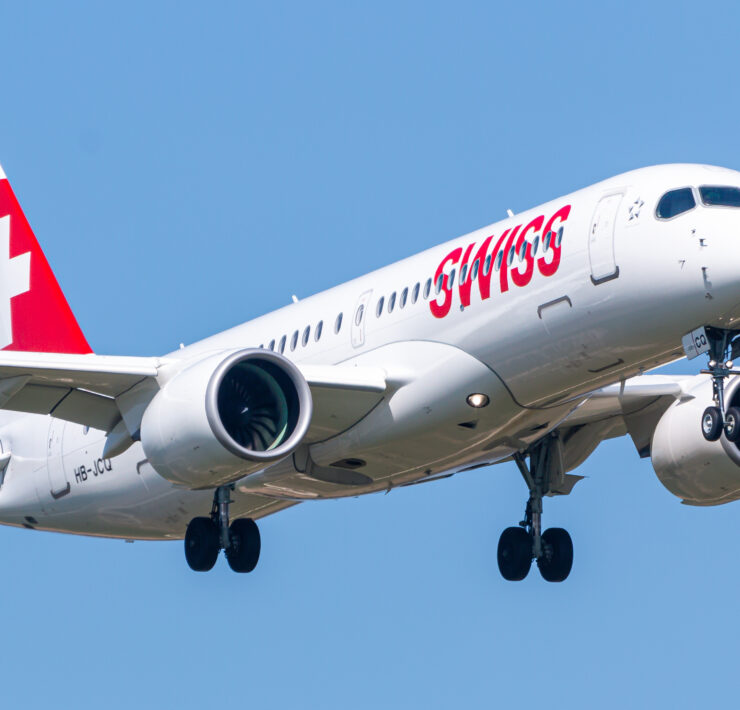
point(77, 388)
point(631, 407)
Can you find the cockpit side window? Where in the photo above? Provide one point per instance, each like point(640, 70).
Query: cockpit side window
point(675, 202)
point(720, 196)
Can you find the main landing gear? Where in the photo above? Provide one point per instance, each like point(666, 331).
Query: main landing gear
point(724, 345)
point(518, 546)
point(206, 536)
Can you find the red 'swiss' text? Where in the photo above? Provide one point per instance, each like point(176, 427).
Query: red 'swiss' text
point(502, 263)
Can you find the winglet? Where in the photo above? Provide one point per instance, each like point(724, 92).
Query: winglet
point(34, 314)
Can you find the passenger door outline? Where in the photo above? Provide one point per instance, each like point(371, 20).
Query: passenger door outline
point(601, 239)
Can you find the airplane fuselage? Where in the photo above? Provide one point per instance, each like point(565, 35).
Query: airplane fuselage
point(535, 312)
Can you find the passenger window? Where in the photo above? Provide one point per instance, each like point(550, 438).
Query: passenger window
point(359, 314)
point(338, 324)
point(415, 293)
point(438, 285)
point(675, 202)
point(294, 341)
point(271, 345)
point(510, 258)
point(379, 309)
point(317, 332)
point(282, 345)
point(392, 302)
point(499, 260)
point(474, 274)
point(427, 288)
point(535, 245)
point(463, 273)
point(717, 196)
point(404, 297)
point(487, 265)
point(306, 335)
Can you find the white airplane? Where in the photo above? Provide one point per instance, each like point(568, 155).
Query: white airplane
point(525, 340)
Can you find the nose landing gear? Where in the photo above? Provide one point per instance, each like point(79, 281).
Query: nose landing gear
point(206, 536)
point(518, 546)
point(724, 345)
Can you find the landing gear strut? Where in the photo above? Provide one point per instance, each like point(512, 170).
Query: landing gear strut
point(724, 345)
point(518, 546)
point(206, 536)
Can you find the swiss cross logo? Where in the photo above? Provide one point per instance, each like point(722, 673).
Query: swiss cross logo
point(15, 279)
point(34, 314)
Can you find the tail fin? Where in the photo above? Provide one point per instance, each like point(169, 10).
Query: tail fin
point(34, 314)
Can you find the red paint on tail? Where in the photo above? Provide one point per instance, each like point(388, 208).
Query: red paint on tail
point(40, 317)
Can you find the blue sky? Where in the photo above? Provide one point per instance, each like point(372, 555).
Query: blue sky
point(187, 168)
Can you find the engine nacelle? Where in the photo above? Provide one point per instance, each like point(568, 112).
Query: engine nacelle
point(699, 471)
point(226, 416)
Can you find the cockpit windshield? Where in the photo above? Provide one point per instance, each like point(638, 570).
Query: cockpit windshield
point(675, 202)
point(718, 195)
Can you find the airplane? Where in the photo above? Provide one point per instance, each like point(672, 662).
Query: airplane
point(527, 340)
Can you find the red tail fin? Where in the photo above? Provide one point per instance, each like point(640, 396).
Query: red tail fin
point(34, 314)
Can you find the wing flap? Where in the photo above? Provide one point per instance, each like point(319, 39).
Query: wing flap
point(36, 399)
point(72, 405)
point(342, 395)
point(82, 407)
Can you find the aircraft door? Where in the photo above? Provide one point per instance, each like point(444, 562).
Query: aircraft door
point(59, 486)
point(601, 239)
point(359, 317)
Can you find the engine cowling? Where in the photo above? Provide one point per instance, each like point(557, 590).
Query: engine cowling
point(226, 416)
point(699, 471)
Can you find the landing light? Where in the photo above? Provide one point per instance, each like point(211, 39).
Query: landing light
point(478, 400)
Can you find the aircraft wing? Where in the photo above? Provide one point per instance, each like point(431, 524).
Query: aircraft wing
point(77, 388)
point(342, 396)
point(631, 407)
point(85, 389)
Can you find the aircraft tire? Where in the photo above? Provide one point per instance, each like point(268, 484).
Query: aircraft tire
point(556, 565)
point(514, 554)
point(732, 424)
point(201, 544)
point(711, 423)
point(244, 551)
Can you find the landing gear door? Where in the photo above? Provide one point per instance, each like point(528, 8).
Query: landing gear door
point(59, 486)
point(358, 320)
point(601, 239)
